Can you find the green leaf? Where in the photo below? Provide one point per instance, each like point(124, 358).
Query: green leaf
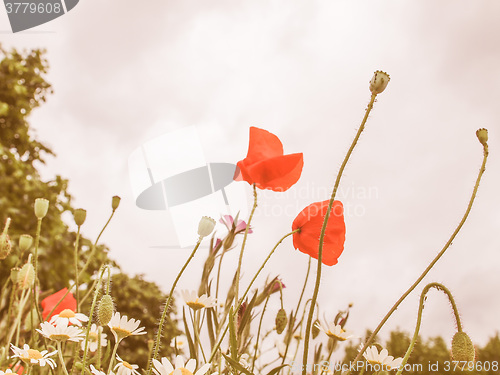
point(233, 343)
point(276, 369)
point(236, 365)
point(192, 349)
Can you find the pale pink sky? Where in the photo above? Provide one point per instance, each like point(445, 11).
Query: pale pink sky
point(125, 72)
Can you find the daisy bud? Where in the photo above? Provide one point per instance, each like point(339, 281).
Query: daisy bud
point(482, 135)
point(26, 276)
point(281, 320)
point(80, 215)
point(315, 329)
point(105, 309)
point(41, 207)
point(462, 348)
point(5, 246)
point(379, 82)
point(25, 242)
point(115, 202)
point(206, 226)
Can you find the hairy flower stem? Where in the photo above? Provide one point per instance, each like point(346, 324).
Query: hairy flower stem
point(77, 284)
point(214, 350)
point(37, 243)
point(61, 359)
point(322, 235)
point(113, 355)
point(258, 334)
point(243, 248)
point(80, 274)
point(165, 309)
point(428, 287)
point(91, 314)
point(289, 334)
point(434, 261)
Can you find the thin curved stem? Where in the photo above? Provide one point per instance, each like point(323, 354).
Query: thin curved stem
point(214, 350)
point(165, 309)
point(434, 261)
point(323, 230)
point(243, 245)
point(428, 287)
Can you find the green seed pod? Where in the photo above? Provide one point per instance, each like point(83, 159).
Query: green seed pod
point(80, 215)
point(5, 246)
point(115, 202)
point(41, 207)
point(462, 348)
point(482, 135)
point(26, 276)
point(315, 329)
point(281, 320)
point(25, 242)
point(14, 274)
point(105, 309)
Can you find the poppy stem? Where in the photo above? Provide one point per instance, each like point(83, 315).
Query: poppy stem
point(428, 287)
point(240, 302)
point(434, 261)
point(323, 230)
point(243, 246)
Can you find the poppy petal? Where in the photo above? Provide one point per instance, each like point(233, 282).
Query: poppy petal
point(266, 166)
point(48, 303)
point(310, 221)
point(278, 173)
point(262, 145)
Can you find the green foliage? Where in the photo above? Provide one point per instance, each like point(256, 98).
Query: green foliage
point(24, 88)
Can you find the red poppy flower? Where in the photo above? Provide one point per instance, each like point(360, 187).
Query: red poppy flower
point(266, 166)
point(310, 222)
point(69, 302)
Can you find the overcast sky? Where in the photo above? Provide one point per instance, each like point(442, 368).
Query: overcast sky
point(127, 72)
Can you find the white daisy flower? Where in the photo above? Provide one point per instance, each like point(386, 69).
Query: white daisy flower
point(93, 337)
point(192, 300)
point(122, 327)
point(69, 316)
point(125, 368)
point(33, 356)
point(335, 331)
point(98, 372)
point(8, 371)
point(383, 359)
point(165, 367)
point(61, 332)
point(179, 342)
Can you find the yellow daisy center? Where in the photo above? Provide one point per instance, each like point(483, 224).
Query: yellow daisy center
point(195, 305)
point(121, 333)
point(127, 365)
point(183, 371)
point(67, 313)
point(33, 354)
point(93, 336)
point(60, 337)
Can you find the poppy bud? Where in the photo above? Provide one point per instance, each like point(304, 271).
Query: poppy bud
point(482, 135)
point(80, 215)
point(14, 274)
point(206, 226)
point(115, 202)
point(379, 82)
point(5, 246)
point(315, 329)
point(462, 348)
point(281, 320)
point(41, 207)
point(25, 242)
point(105, 309)
point(26, 276)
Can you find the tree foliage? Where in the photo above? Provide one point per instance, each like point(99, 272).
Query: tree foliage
point(22, 89)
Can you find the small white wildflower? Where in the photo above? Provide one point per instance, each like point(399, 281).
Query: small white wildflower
point(33, 356)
